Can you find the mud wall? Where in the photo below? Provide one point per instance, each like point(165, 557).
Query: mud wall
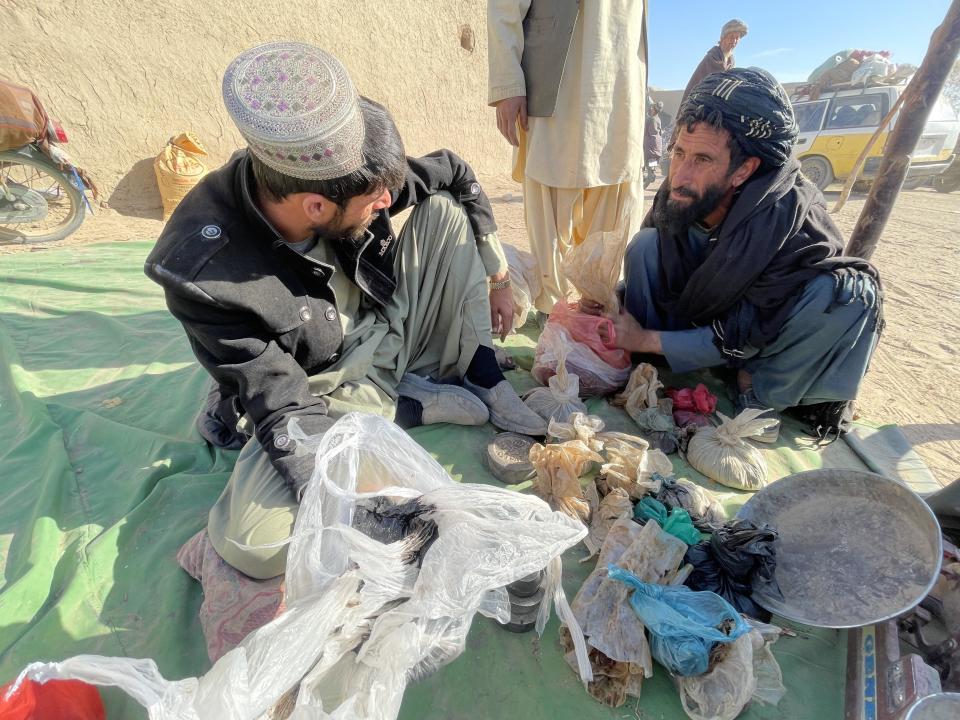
point(124, 76)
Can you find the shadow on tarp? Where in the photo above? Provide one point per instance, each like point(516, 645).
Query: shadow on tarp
point(86, 341)
point(96, 500)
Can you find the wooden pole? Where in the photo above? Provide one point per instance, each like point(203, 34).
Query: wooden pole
point(919, 97)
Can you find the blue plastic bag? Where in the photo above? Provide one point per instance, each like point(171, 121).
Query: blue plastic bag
point(682, 622)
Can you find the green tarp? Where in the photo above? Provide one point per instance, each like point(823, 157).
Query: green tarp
point(103, 477)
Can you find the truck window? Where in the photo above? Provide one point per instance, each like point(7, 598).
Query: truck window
point(942, 111)
point(809, 115)
point(857, 111)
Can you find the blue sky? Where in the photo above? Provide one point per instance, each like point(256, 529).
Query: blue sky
point(789, 39)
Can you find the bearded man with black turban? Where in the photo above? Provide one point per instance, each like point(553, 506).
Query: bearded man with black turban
point(739, 264)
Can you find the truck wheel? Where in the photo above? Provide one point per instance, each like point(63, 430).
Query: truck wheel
point(945, 185)
point(818, 171)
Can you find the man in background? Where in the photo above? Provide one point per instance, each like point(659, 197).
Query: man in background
point(719, 57)
point(567, 79)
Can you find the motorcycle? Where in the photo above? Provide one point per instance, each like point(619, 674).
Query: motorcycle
point(42, 194)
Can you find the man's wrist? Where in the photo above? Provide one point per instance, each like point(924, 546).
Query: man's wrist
point(649, 342)
point(500, 277)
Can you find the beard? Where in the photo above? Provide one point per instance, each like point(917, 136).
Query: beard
point(339, 232)
point(676, 217)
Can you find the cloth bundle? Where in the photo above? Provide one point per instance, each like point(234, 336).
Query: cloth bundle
point(723, 453)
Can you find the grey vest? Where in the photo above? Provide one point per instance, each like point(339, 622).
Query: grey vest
point(547, 30)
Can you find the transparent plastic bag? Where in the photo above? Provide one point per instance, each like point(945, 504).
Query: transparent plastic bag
point(594, 266)
point(641, 390)
point(723, 453)
point(560, 399)
point(602, 369)
point(579, 426)
point(524, 282)
point(559, 468)
point(619, 652)
point(744, 671)
point(346, 590)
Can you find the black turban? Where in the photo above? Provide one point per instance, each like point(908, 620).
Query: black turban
point(751, 105)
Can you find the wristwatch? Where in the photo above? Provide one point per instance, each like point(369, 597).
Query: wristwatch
point(500, 285)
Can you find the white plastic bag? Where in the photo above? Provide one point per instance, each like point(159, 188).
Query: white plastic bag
point(723, 453)
point(747, 671)
point(524, 282)
point(346, 590)
point(560, 399)
point(596, 377)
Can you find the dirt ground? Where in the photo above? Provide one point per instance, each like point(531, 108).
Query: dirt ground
point(915, 373)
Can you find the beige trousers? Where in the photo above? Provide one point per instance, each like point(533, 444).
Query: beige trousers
point(436, 320)
point(559, 218)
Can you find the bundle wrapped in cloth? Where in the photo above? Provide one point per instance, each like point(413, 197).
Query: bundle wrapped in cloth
point(559, 468)
point(723, 453)
point(561, 397)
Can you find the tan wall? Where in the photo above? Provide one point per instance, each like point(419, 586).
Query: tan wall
point(124, 76)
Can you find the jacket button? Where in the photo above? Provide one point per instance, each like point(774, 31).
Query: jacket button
point(334, 357)
point(305, 313)
point(318, 272)
point(211, 232)
point(281, 441)
point(330, 314)
point(475, 188)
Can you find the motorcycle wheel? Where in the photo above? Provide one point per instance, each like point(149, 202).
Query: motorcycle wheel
point(65, 204)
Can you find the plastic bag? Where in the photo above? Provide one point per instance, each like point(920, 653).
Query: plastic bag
point(618, 649)
point(632, 466)
point(579, 426)
point(746, 671)
point(594, 266)
point(615, 505)
point(684, 625)
point(361, 620)
point(524, 282)
point(728, 564)
point(641, 390)
point(722, 453)
point(560, 399)
point(59, 699)
point(676, 522)
point(704, 509)
point(559, 468)
point(601, 367)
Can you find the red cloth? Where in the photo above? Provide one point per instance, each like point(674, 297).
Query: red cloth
point(692, 405)
point(234, 605)
point(60, 699)
point(585, 329)
point(698, 399)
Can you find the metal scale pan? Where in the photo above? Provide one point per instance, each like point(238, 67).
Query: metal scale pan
point(854, 548)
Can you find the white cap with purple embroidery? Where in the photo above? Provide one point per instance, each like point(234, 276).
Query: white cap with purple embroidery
point(297, 109)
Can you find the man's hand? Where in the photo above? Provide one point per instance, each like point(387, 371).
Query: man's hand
point(509, 112)
point(501, 307)
point(631, 336)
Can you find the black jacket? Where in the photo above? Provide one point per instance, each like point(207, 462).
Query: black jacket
point(261, 317)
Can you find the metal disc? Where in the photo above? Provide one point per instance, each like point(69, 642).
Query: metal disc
point(854, 548)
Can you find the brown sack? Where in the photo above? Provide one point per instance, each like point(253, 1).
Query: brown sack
point(179, 169)
point(22, 117)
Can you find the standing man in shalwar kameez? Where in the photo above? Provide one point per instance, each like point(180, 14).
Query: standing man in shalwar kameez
point(567, 79)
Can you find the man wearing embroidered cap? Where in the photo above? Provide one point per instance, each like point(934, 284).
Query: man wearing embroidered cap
point(301, 301)
point(740, 265)
point(719, 57)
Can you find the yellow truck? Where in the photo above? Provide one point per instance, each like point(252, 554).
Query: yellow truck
point(835, 127)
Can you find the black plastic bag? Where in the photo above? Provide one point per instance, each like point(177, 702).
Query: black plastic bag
point(727, 564)
point(704, 510)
